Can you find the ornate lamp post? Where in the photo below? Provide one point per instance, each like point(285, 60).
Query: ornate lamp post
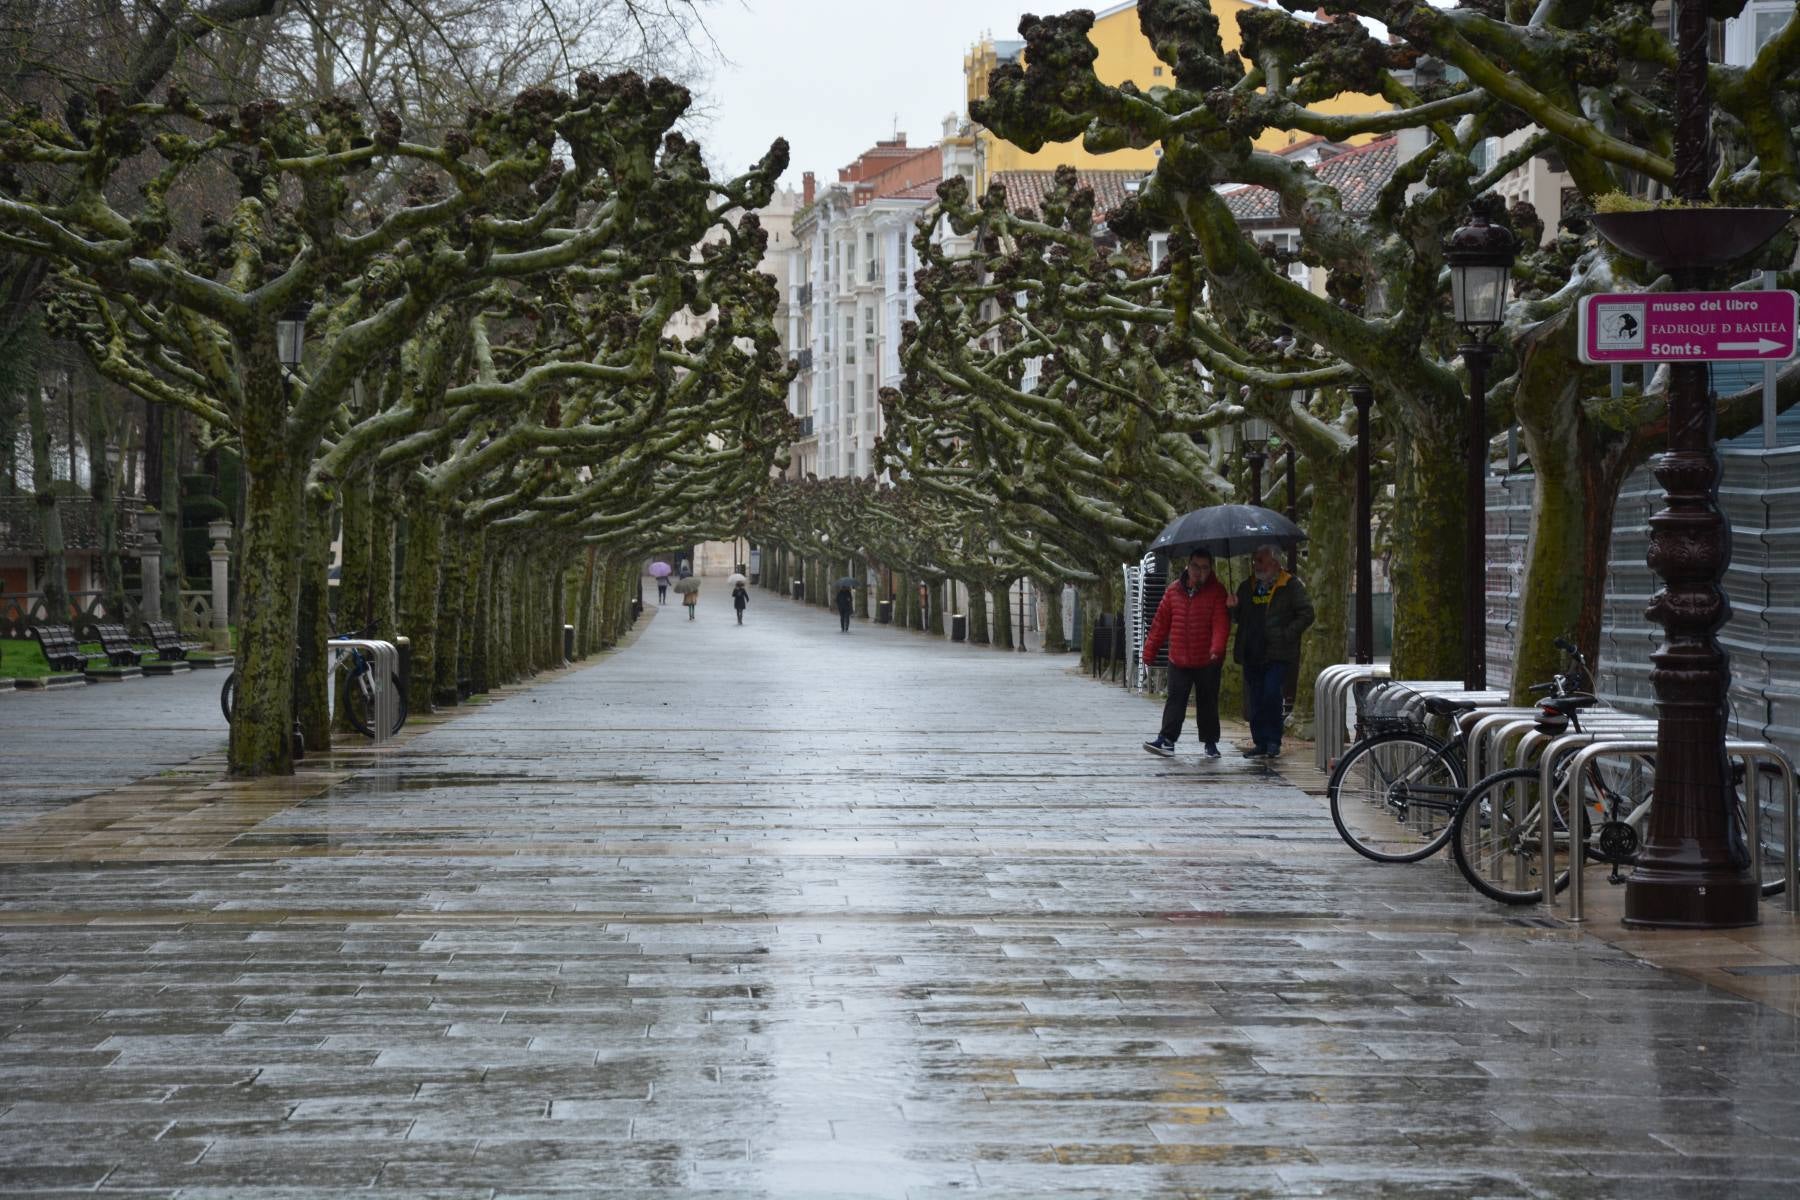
point(1692, 870)
point(290, 335)
point(1256, 448)
point(1480, 257)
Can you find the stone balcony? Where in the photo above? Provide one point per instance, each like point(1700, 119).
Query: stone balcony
point(21, 533)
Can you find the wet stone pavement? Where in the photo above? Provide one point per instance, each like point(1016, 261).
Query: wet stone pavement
point(775, 911)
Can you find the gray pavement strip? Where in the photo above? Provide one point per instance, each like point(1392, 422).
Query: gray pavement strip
point(777, 911)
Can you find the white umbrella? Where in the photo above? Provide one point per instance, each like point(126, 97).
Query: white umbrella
point(736, 578)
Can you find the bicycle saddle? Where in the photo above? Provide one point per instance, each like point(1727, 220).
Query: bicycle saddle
point(1568, 704)
point(1443, 706)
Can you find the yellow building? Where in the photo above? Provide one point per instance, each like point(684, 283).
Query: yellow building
point(1124, 54)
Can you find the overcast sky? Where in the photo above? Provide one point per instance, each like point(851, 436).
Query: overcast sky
point(833, 76)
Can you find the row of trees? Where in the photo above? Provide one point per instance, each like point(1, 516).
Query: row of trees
point(535, 338)
point(1063, 398)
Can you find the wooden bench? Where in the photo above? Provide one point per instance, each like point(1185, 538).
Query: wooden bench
point(115, 643)
point(168, 642)
point(61, 650)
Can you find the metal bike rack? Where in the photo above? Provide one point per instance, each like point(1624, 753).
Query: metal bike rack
point(385, 660)
point(1331, 707)
point(1749, 752)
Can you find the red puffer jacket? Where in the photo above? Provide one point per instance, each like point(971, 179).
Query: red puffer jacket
point(1195, 626)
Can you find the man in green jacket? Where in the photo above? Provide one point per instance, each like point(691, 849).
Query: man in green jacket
point(1271, 611)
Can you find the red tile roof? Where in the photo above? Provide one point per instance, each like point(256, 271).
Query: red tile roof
point(1026, 189)
point(919, 191)
point(1358, 175)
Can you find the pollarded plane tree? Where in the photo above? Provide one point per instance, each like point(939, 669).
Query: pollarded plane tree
point(1596, 83)
point(1593, 81)
point(1131, 381)
point(548, 183)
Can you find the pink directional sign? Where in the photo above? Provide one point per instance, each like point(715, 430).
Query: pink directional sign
point(1635, 327)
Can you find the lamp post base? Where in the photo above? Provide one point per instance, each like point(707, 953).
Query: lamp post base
point(1690, 899)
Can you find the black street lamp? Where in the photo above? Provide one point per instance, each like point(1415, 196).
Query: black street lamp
point(1480, 257)
point(1256, 448)
point(290, 335)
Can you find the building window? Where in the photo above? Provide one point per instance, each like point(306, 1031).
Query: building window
point(850, 262)
point(868, 321)
point(1156, 71)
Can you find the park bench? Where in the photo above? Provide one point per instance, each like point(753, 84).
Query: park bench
point(61, 650)
point(168, 642)
point(116, 644)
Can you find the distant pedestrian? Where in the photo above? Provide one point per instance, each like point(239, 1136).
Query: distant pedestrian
point(1271, 610)
point(1194, 617)
point(739, 599)
point(662, 589)
point(683, 570)
point(844, 605)
point(691, 599)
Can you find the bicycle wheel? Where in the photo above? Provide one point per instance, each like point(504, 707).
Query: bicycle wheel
point(360, 704)
point(1394, 795)
point(228, 696)
point(1497, 839)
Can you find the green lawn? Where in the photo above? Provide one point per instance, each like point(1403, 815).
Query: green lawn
point(21, 660)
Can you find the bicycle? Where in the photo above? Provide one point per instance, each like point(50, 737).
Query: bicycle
point(351, 670)
point(1496, 837)
point(1395, 793)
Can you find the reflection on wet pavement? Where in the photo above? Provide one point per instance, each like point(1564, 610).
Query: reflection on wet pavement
point(774, 911)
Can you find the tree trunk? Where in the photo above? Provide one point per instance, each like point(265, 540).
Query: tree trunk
point(1054, 641)
point(383, 613)
point(978, 616)
point(559, 592)
point(1428, 550)
point(487, 578)
point(450, 617)
point(55, 581)
point(168, 509)
point(1330, 560)
point(1003, 630)
point(356, 596)
point(268, 574)
point(861, 571)
point(312, 625)
point(420, 583)
point(934, 619)
point(104, 490)
point(586, 630)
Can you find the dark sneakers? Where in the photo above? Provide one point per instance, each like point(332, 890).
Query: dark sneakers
point(1212, 750)
point(1160, 745)
point(1252, 752)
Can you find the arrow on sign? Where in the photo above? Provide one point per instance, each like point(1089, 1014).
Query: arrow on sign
point(1759, 346)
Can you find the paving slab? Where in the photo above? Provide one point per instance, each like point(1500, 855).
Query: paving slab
point(776, 911)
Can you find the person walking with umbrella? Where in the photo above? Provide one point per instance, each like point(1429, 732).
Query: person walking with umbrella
point(1194, 618)
point(845, 601)
point(689, 587)
point(739, 600)
point(661, 571)
point(1271, 610)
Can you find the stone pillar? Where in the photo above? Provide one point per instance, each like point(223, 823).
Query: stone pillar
point(220, 532)
point(150, 563)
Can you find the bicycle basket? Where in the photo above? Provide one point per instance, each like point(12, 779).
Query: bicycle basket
point(1390, 707)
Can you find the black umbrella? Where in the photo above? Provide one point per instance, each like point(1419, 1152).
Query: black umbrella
point(849, 582)
point(1227, 529)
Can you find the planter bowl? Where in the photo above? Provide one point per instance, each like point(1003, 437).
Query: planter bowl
point(1690, 238)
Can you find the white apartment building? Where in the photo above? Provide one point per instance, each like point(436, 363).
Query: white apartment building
point(850, 283)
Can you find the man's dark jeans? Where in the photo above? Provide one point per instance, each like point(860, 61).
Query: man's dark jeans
point(1204, 683)
point(1263, 689)
point(844, 619)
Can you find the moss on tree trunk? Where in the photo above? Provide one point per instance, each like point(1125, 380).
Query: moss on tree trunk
point(1428, 552)
point(1054, 641)
point(935, 618)
point(1003, 625)
point(312, 625)
point(1329, 560)
point(268, 575)
point(420, 583)
point(978, 616)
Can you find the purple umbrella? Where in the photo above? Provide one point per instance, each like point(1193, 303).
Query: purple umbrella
point(660, 569)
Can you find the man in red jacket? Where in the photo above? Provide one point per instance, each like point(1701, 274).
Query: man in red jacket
point(1195, 621)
